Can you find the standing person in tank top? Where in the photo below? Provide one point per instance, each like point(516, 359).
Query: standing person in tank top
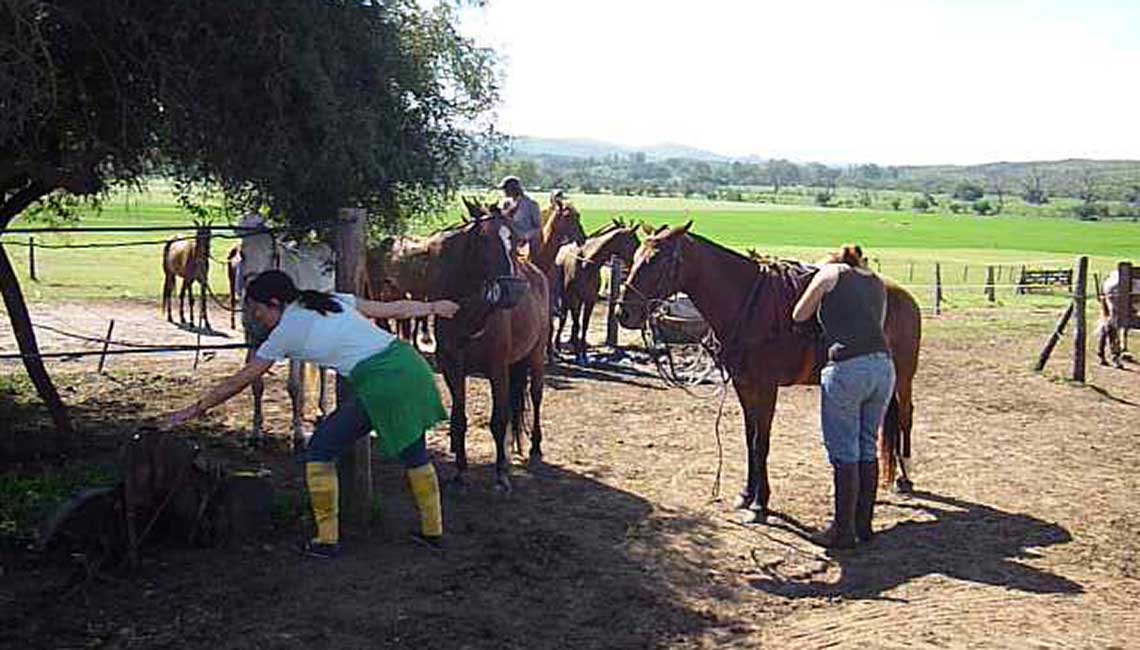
point(856, 385)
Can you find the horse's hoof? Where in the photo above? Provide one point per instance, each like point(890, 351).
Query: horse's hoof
point(904, 486)
point(754, 518)
point(742, 502)
point(535, 459)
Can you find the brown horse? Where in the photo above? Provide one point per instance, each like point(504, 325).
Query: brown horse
point(188, 259)
point(503, 339)
point(748, 305)
point(560, 226)
point(580, 273)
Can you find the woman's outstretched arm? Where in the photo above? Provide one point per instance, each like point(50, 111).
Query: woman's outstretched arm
point(221, 391)
point(402, 309)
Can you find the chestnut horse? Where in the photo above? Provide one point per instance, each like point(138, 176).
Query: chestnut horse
point(749, 305)
point(188, 259)
point(580, 269)
point(500, 330)
point(395, 269)
point(561, 225)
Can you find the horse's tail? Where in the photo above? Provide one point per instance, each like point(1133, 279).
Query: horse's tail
point(890, 443)
point(518, 376)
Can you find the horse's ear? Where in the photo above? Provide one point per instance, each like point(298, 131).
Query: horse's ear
point(685, 228)
point(660, 229)
point(647, 229)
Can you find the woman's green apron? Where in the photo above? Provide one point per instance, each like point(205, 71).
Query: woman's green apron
point(397, 389)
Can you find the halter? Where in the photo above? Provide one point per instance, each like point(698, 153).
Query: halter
point(665, 281)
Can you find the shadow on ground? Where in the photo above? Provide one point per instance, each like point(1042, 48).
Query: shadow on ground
point(967, 541)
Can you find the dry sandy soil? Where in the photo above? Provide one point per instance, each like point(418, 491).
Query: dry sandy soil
point(1024, 531)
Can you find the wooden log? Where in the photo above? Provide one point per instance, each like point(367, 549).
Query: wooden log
point(1123, 295)
point(937, 289)
point(1079, 326)
point(990, 284)
point(617, 278)
point(1058, 332)
point(355, 466)
point(106, 342)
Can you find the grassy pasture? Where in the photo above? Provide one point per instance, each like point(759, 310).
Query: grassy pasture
point(904, 245)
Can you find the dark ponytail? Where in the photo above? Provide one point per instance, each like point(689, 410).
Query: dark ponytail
point(275, 285)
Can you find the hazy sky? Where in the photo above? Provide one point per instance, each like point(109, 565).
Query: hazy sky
point(891, 82)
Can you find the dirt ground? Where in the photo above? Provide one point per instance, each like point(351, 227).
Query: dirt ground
point(1024, 532)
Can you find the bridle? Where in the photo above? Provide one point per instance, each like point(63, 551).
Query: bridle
point(665, 282)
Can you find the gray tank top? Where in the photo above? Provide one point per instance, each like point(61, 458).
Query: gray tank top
point(852, 315)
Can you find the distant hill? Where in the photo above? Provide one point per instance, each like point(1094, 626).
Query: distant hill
point(585, 148)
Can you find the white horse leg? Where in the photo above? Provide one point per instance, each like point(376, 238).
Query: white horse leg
point(296, 387)
point(323, 395)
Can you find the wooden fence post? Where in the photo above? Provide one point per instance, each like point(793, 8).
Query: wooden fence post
point(937, 289)
point(990, 283)
point(617, 277)
point(965, 273)
point(106, 342)
point(1020, 281)
point(1058, 332)
point(910, 272)
point(1079, 326)
point(32, 258)
point(355, 466)
point(1125, 275)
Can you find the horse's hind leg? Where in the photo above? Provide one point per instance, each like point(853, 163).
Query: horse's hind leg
point(182, 302)
point(258, 388)
point(168, 295)
point(537, 376)
point(904, 483)
point(500, 384)
point(587, 311)
point(518, 395)
point(205, 315)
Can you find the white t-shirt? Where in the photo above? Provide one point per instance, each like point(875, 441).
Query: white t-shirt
point(335, 340)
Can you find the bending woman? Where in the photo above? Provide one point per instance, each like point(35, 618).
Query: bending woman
point(855, 386)
point(394, 390)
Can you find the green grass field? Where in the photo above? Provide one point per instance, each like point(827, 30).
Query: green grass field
point(904, 245)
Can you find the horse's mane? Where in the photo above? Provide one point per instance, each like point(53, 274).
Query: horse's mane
point(609, 227)
point(597, 243)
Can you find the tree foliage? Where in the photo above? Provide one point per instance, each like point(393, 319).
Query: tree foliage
point(295, 105)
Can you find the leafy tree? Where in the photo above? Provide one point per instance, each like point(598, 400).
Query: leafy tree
point(298, 106)
point(1034, 190)
point(983, 207)
point(968, 191)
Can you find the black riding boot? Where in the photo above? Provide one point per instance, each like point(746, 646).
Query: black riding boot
point(841, 533)
point(865, 503)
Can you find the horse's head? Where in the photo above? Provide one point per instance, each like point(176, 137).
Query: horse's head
point(655, 275)
point(478, 262)
point(565, 225)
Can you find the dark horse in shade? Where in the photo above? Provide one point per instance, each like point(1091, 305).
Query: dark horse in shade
point(748, 304)
point(500, 331)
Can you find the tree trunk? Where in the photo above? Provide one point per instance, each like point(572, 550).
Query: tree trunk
point(26, 339)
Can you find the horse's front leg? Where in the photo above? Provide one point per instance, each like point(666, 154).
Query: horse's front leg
point(457, 385)
point(758, 401)
point(205, 314)
point(500, 407)
point(296, 388)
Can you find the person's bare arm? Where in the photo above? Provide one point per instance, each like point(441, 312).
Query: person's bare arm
point(808, 303)
point(402, 309)
point(222, 391)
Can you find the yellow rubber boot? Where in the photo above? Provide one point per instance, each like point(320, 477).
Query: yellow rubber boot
point(323, 493)
point(425, 490)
